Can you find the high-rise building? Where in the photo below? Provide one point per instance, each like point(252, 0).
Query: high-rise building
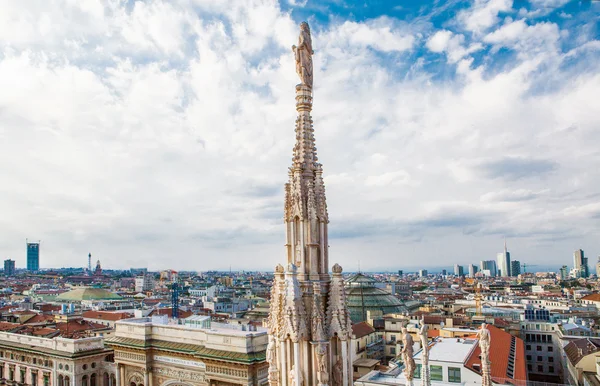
point(309, 324)
point(598, 267)
point(515, 268)
point(564, 272)
point(423, 273)
point(472, 270)
point(9, 267)
point(33, 257)
point(580, 264)
point(459, 270)
point(444, 272)
point(489, 265)
point(400, 272)
point(504, 262)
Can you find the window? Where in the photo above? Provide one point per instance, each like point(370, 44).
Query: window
point(436, 373)
point(550, 337)
point(551, 369)
point(454, 374)
point(34, 377)
point(528, 357)
point(539, 348)
point(393, 338)
point(393, 350)
point(540, 368)
point(529, 368)
point(355, 369)
point(550, 348)
point(539, 358)
point(551, 359)
point(417, 372)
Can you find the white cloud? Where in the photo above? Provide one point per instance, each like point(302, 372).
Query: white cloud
point(483, 14)
point(163, 132)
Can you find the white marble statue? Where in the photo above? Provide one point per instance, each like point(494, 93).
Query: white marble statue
point(425, 376)
point(407, 355)
point(338, 370)
point(292, 376)
point(303, 53)
point(322, 373)
point(484, 345)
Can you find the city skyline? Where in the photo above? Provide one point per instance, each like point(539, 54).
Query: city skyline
point(161, 133)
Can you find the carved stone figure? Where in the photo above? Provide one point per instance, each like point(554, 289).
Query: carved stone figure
point(407, 355)
point(292, 376)
point(271, 354)
point(303, 54)
point(322, 374)
point(338, 370)
point(425, 376)
point(484, 345)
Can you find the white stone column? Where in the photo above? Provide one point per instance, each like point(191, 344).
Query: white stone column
point(345, 362)
point(146, 382)
point(117, 375)
point(298, 368)
point(283, 368)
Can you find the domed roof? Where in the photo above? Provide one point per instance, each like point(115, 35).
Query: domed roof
point(80, 294)
point(362, 295)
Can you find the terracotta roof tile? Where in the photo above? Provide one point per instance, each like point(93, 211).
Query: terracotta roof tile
point(500, 342)
point(104, 315)
point(592, 297)
point(362, 329)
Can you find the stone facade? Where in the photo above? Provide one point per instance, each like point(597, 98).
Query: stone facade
point(152, 354)
point(27, 360)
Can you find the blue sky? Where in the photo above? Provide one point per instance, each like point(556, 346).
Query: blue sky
point(158, 133)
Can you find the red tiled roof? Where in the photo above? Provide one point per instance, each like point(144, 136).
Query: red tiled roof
point(592, 297)
point(169, 311)
point(499, 355)
point(40, 318)
point(577, 349)
point(6, 326)
point(362, 329)
point(104, 315)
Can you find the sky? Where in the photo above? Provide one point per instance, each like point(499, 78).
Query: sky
point(158, 133)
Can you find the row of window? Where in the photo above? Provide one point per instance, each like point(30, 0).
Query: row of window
point(436, 373)
point(540, 369)
point(541, 359)
point(539, 348)
point(538, 338)
point(34, 376)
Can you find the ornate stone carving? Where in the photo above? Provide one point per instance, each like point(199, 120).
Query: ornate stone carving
point(484, 345)
point(294, 380)
point(303, 54)
point(322, 370)
point(407, 355)
point(425, 376)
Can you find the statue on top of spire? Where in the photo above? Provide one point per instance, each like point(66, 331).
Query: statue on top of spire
point(303, 54)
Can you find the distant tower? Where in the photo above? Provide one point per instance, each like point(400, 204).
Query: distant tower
point(504, 262)
point(90, 264)
point(33, 256)
point(175, 301)
point(580, 263)
point(9, 267)
point(98, 270)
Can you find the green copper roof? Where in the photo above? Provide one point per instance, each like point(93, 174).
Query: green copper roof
point(80, 294)
point(363, 296)
point(192, 349)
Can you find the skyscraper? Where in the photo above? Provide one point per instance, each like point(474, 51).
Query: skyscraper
point(598, 267)
point(309, 324)
point(33, 257)
point(564, 272)
point(504, 262)
point(9, 267)
point(458, 270)
point(515, 268)
point(489, 265)
point(580, 264)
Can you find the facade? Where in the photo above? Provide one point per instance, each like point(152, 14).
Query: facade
point(542, 347)
point(309, 324)
point(489, 265)
point(55, 362)
point(504, 262)
point(458, 270)
point(144, 283)
point(515, 268)
point(9, 267)
point(151, 352)
point(33, 257)
point(580, 264)
point(564, 272)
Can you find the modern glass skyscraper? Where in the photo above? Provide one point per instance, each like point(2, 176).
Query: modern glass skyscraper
point(504, 262)
point(33, 257)
point(580, 264)
point(9, 267)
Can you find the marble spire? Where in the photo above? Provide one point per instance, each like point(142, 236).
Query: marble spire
point(309, 324)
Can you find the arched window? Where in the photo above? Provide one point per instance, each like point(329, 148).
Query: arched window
point(105, 381)
point(67, 381)
point(113, 380)
point(84, 381)
point(61, 380)
point(93, 380)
